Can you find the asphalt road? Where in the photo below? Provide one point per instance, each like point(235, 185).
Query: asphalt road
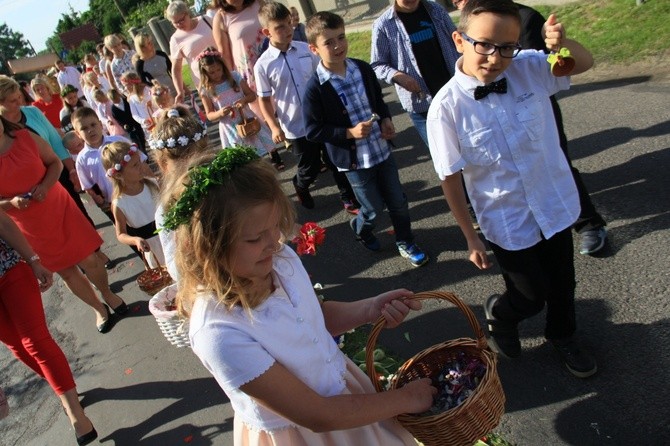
point(140, 390)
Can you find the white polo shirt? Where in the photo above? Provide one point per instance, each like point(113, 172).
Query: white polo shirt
point(91, 171)
point(284, 75)
point(507, 146)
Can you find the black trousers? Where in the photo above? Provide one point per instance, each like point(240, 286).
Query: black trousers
point(309, 155)
point(589, 218)
point(543, 273)
point(309, 161)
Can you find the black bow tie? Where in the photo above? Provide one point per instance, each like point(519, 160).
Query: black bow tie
point(494, 87)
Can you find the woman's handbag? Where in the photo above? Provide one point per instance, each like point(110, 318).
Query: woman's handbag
point(152, 280)
point(247, 127)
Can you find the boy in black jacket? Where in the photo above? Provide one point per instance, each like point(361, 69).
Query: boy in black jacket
point(344, 109)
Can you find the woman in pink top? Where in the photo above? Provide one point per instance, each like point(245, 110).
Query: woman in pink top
point(239, 38)
point(193, 35)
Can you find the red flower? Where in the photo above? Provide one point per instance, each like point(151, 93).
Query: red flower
point(311, 235)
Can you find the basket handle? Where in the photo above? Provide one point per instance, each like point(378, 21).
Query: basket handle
point(146, 263)
point(240, 109)
point(441, 295)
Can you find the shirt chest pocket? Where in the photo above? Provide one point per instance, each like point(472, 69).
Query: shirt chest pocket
point(304, 69)
point(478, 147)
point(531, 118)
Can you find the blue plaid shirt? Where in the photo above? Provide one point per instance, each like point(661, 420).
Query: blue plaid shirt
point(392, 52)
point(351, 90)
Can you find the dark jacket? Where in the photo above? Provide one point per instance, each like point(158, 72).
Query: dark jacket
point(327, 120)
point(125, 119)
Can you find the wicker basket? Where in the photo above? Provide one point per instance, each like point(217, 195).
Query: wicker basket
point(172, 326)
point(152, 280)
point(478, 414)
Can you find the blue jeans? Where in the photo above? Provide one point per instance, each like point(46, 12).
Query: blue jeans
point(378, 186)
point(419, 120)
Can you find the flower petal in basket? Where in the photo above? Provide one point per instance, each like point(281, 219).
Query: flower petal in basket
point(174, 328)
point(159, 302)
point(478, 414)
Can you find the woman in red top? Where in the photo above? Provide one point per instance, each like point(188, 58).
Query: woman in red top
point(50, 103)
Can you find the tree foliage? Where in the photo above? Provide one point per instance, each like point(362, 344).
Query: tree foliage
point(13, 45)
point(108, 17)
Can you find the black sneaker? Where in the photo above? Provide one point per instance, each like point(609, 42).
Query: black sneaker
point(370, 241)
point(578, 362)
point(304, 196)
point(504, 336)
point(592, 241)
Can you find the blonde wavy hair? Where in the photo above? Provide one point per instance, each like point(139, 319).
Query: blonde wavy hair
point(205, 246)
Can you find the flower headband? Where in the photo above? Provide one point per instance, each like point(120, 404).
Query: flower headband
point(202, 179)
point(182, 141)
point(130, 81)
point(207, 53)
point(116, 168)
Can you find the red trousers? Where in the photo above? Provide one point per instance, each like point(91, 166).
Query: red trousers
point(23, 328)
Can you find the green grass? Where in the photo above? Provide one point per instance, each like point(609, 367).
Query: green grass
point(615, 31)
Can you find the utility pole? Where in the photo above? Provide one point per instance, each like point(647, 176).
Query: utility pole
point(31, 47)
point(118, 6)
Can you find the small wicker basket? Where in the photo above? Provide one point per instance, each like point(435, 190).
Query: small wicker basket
point(152, 280)
point(478, 414)
point(171, 325)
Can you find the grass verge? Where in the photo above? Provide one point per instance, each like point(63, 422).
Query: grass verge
point(615, 31)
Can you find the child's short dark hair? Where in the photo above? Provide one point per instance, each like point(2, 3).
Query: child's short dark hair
point(83, 112)
point(272, 12)
point(476, 7)
point(320, 22)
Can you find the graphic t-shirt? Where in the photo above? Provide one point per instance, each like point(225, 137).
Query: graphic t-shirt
point(425, 46)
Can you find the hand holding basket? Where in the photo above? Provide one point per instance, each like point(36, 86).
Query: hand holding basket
point(152, 280)
point(478, 414)
point(247, 127)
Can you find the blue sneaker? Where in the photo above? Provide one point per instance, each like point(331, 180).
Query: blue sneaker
point(412, 252)
point(369, 241)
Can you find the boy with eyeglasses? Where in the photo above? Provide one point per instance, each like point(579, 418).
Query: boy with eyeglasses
point(492, 123)
point(591, 226)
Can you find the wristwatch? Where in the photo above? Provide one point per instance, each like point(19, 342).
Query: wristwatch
point(33, 259)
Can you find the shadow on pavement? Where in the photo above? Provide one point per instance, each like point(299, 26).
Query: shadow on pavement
point(190, 395)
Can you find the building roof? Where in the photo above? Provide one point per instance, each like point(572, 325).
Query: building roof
point(71, 39)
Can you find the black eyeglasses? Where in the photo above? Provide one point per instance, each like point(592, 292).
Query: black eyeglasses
point(487, 49)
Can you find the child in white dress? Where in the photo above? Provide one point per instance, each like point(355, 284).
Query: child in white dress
point(226, 97)
point(139, 99)
point(257, 325)
point(177, 124)
point(134, 201)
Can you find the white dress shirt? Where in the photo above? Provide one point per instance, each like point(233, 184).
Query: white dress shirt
point(507, 146)
point(284, 75)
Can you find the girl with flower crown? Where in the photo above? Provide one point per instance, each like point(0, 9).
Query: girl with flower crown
point(226, 98)
point(257, 325)
point(134, 199)
point(177, 137)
